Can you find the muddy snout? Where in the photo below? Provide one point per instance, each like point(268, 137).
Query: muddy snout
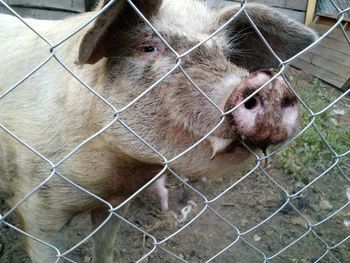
point(270, 116)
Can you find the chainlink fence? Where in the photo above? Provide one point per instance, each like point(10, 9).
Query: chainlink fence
point(240, 239)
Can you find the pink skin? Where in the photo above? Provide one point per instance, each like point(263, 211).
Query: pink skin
point(269, 117)
point(290, 120)
point(162, 192)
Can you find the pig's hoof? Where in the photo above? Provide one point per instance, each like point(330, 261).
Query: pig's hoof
point(191, 207)
point(167, 220)
point(176, 220)
point(171, 219)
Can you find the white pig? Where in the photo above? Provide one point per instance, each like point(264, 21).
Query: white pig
point(120, 56)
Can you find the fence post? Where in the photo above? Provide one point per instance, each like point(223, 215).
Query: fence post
point(310, 11)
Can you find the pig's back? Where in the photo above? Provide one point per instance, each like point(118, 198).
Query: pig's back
point(39, 102)
point(22, 50)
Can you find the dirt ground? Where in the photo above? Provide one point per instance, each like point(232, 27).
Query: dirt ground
point(229, 222)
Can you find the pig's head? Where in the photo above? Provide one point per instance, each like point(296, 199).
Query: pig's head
point(227, 68)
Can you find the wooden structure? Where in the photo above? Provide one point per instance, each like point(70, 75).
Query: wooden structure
point(330, 60)
point(45, 9)
point(295, 9)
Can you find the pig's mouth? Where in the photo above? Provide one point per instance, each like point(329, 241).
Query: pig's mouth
point(246, 144)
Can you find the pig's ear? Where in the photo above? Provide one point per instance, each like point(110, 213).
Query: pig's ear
point(285, 36)
point(102, 36)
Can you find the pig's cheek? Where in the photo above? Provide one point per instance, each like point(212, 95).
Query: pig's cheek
point(290, 120)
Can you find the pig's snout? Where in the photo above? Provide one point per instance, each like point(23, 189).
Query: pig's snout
point(269, 117)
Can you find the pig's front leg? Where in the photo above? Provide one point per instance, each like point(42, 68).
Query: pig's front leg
point(104, 239)
point(50, 226)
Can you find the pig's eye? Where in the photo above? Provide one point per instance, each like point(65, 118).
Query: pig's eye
point(148, 49)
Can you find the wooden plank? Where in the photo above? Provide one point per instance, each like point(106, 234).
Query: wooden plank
point(335, 34)
point(346, 86)
point(333, 55)
point(330, 22)
point(346, 18)
point(293, 14)
point(70, 5)
point(327, 64)
point(310, 12)
point(322, 74)
point(37, 13)
point(340, 46)
point(290, 4)
point(295, 4)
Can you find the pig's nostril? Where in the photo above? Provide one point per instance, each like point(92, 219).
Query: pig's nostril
point(288, 102)
point(268, 72)
point(251, 103)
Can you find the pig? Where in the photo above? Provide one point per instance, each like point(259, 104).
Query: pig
point(120, 57)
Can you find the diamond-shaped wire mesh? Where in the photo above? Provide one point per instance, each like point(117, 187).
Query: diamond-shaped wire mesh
point(249, 235)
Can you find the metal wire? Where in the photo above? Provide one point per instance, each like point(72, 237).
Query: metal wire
point(242, 235)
